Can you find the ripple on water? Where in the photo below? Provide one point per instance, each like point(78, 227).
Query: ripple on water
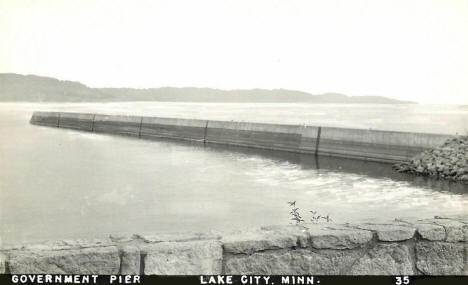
point(347, 190)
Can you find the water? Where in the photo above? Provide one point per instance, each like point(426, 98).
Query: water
point(57, 183)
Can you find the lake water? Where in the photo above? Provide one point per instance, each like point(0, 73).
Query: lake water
point(57, 183)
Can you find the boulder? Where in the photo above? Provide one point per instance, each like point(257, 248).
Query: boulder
point(448, 161)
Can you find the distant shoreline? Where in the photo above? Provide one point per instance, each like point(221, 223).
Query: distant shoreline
point(32, 88)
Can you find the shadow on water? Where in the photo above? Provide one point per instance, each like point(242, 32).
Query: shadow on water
point(327, 163)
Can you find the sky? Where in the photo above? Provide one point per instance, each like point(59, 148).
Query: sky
point(409, 50)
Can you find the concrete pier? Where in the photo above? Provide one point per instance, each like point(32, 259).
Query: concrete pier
point(374, 145)
point(173, 128)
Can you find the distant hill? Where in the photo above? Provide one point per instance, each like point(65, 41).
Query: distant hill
point(32, 88)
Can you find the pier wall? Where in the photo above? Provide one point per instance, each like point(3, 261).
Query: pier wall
point(382, 146)
point(173, 128)
point(401, 247)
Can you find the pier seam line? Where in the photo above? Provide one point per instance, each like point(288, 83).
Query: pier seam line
point(206, 130)
point(92, 127)
point(317, 142)
point(58, 120)
point(139, 131)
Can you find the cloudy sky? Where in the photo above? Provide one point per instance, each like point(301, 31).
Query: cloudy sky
point(410, 49)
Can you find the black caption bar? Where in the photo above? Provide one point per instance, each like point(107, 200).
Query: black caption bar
point(226, 279)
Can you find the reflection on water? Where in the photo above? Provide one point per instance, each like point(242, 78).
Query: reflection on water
point(327, 164)
point(57, 183)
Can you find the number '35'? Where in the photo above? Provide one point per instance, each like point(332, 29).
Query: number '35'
point(402, 280)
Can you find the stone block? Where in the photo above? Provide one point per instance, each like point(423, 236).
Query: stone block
point(390, 232)
point(183, 258)
point(455, 230)
point(130, 260)
point(336, 237)
point(431, 232)
point(384, 259)
point(176, 237)
point(256, 240)
point(460, 218)
point(292, 262)
point(440, 258)
point(2, 263)
point(69, 244)
point(98, 260)
point(450, 229)
point(297, 231)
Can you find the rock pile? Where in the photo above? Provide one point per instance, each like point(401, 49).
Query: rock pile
point(448, 161)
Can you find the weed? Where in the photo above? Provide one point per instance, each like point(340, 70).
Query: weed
point(297, 218)
point(317, 218)
point(295, 213)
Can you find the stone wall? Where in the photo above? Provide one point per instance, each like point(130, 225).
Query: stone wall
point(382, 146)
point(402, 247)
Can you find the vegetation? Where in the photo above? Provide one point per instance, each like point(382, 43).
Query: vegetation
point(296, 217)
